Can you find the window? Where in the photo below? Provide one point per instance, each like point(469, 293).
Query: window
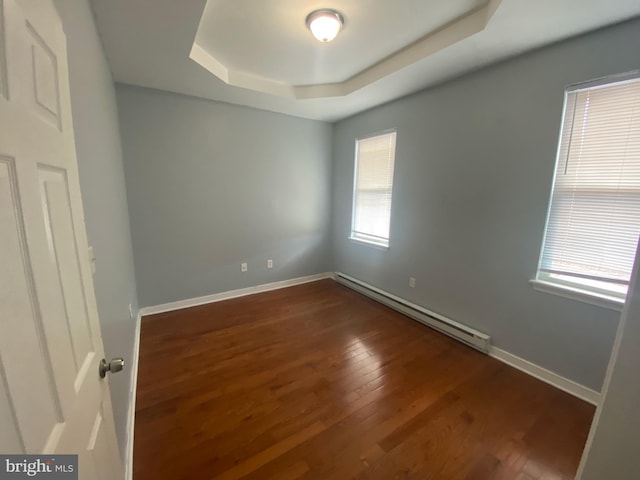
point(594, 215)
point(373, 184)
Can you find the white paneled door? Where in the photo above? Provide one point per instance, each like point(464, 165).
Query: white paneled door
point(52, 399)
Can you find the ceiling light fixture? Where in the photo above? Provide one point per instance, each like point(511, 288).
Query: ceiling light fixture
point(325, 24)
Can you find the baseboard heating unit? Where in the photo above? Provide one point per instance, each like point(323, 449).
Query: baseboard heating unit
point(473, 338)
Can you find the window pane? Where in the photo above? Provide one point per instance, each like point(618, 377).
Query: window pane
point(373, 186)
point(373, 212)
point(594, 216)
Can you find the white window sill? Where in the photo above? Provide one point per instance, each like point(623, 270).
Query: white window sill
point(581, 295)
point(369, 243)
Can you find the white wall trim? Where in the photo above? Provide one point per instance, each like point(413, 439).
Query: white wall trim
point(218, 297)
point(448, 326)
point(629, 314)
point(581, 295)
point(133, 388)
point(547, 376)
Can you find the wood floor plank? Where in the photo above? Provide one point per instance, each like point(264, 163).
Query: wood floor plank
point(319, 382)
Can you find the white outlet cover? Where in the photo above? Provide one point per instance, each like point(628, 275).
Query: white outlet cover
point(269, 263)
point(243, 267)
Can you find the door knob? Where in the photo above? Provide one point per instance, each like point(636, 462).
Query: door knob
point(113, 366)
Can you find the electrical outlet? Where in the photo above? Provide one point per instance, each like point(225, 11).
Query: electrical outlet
point(130, 312)
point(243, 267)
point(412, 282)
point(269, 263)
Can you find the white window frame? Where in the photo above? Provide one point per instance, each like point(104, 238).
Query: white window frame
point(359, 237)
point(582, 290)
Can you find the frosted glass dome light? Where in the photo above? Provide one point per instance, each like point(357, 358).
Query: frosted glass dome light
point(325, 24)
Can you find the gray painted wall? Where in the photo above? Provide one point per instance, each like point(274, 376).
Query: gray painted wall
point(95, 121)
point(211, 185)
point(474, 167)
point(612, 448)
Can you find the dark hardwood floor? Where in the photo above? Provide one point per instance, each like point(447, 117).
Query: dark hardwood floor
point(319, 382)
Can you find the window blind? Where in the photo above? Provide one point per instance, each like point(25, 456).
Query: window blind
point(594, 216)
point(375, 158)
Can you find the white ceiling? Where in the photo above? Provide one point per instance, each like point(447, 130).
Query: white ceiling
point(266, 46)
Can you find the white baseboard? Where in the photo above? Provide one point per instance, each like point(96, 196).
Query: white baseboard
point(521, 364)
point(448, 326)
point(218, 297)
point(547, 376)
point(133, 387)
